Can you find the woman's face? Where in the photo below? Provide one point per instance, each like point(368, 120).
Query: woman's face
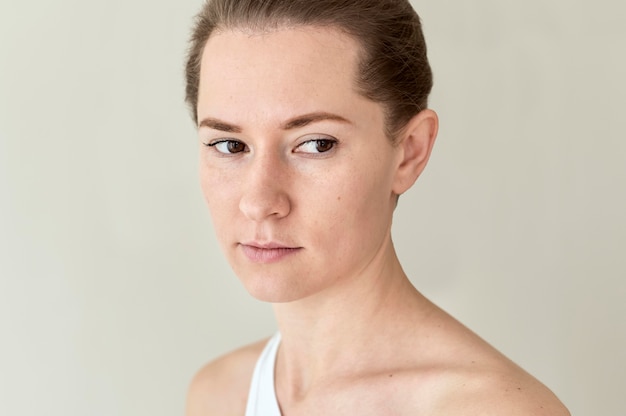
point(294, 163)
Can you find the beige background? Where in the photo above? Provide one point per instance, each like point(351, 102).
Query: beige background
point(112, 288)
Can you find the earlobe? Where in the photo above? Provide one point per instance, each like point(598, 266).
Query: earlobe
point(415, 146)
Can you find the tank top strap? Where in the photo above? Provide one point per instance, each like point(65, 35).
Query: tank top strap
point(262, 396)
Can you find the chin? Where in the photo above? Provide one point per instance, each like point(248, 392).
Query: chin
point(272, 293)
point(274, 289)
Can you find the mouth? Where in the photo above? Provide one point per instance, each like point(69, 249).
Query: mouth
point(267, 253)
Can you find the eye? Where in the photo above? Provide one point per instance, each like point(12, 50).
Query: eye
point(228, 146)
point(318, 145)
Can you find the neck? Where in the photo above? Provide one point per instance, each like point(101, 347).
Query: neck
point(347, 327)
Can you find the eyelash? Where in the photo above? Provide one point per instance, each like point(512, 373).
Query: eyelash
point(327, 140)
point(230, 142)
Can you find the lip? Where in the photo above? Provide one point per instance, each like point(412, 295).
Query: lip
point(266, 253)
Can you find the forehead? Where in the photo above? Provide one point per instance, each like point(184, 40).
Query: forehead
point(279, 72)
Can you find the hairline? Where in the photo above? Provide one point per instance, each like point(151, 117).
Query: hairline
point(269, 25)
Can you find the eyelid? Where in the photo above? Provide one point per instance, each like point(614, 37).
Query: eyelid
point(216, 142)
point(213, 142)
point(303, 140)
point(311, 138)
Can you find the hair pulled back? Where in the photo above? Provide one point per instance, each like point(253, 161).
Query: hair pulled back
point(393, 68)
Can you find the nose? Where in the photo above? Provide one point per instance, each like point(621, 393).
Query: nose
point(264, 194)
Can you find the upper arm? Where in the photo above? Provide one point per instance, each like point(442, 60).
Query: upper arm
point(197, 400)
point(221, 387)
point(205, 390)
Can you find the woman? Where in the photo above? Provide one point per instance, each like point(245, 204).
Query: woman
point(313, 120)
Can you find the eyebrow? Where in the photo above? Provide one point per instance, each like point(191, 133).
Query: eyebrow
point(306, 119)
point(293, 123)
point(216, 124)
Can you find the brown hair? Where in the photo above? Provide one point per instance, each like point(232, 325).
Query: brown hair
point(393, 68)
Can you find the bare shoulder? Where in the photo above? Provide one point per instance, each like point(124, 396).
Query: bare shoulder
point(473, 378)
point(221, 386)
point(444, 368)
point(499, 392)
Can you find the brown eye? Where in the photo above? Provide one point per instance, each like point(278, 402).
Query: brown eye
point(324, 145)
point(228, 146)
point(235, 147)
point(315, 146)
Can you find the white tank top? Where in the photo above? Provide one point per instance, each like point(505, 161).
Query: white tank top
point(262, 396)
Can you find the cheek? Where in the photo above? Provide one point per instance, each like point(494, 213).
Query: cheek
point(366, 190)
point(215, 183)
point(366, 207)
point(219, 194)
point(207, 186)
point(353, 204)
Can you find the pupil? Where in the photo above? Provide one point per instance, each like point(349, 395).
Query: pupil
point(235, 147)
point(323, 145)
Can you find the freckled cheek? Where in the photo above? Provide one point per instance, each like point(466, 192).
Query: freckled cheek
point(220, 193)
point(223, 212)
point(332, 214)
point(360, 203)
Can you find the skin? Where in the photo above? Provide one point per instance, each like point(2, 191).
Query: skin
point(301, 183)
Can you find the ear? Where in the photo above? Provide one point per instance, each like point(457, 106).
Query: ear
point(414, 147)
